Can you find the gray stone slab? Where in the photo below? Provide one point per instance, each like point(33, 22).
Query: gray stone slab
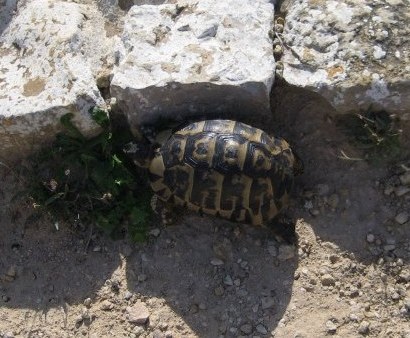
point(204, 58)
point(51, 53)
point(354, 53)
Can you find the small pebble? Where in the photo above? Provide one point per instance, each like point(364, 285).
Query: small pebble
point(87, 302)
point(364, 327)
point(395, 296)
point(246, 328)
point(138, 331)
point(243, 264)
point(193, 309)
point(219, 291)
point(138, 313)
point(308, 205)
point(286, 252)
point(388, 190)
point(155, 232)
point(202, 306)
point(142, 277)
point(217, 262)
point(402, 217)
point(267, 302)
point(401, 191)
point(331, 327)
point(261, 329)
point(389, 247)
point(370, 238)
point(405, 178)
point(106, 305)
point(314, 212)
point(228, 280)
point(327, 280)
point(127, 295)
point(7, 335)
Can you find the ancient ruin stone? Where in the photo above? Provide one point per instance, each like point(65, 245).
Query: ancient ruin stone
point(355, 54)
point(203, 58)
point(49, 62)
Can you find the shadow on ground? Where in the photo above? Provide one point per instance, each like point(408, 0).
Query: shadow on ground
point(250, 287)
point(346, 194)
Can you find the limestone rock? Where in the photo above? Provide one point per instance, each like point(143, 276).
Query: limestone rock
point(138, 313)
point(205, 58)
point(50, 57)
point(352, 53)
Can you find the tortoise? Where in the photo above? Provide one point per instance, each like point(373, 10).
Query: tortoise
point(221, 167)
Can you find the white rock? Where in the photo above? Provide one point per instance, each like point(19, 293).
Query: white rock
point(213, 57)
point(50, 55)
point(138, 313)
point(341, 51)
point(378, 52)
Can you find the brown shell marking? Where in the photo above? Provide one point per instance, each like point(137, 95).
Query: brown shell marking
point(224, 168)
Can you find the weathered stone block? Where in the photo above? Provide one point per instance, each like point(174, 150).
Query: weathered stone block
point(355, 54)
point(206, 58)
point(49, 62)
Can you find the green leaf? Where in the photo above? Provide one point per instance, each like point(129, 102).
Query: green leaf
point(100, 116)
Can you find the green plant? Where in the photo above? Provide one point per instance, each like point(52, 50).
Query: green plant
point(89, 180)
point(376, 133)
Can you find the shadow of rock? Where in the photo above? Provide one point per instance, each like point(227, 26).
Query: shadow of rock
point(340, 194)
point(7, 9)
point(43, 268)
point(218, 277)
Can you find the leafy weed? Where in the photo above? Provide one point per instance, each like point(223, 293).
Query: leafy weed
point(90, 181)
point(376, 133)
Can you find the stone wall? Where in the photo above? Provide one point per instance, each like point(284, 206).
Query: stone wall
point(163, 61)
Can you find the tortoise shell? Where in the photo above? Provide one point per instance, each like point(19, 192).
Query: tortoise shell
point(224, 168)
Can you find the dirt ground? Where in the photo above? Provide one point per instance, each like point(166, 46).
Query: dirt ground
point(348, 275)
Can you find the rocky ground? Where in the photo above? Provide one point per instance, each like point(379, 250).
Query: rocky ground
point(348, 275)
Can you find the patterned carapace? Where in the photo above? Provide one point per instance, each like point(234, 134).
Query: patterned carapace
point(224, 168)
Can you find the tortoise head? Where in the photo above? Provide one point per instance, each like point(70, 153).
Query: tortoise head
point(141, 153)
